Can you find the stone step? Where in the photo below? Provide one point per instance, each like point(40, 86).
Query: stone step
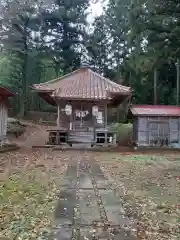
point(81, 137)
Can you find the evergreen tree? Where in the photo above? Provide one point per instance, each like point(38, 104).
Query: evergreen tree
point(66, 23)
point(98, 46)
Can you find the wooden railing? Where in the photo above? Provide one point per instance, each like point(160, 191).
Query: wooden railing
point(99, 137)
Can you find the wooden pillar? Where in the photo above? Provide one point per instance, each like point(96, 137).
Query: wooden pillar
point(114, 139)
point(105, 124)
point(71, 121)
point(81, 124)
point(58, 125)
point(58, 118)
point(94, 125)
point(72, 116)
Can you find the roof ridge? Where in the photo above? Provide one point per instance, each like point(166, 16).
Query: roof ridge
point(59, 78)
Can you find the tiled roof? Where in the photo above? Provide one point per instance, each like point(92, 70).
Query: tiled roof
point(82, 84)
point(155, 110)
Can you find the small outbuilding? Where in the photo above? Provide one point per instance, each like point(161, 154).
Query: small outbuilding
point(156, 125)
point(4, 106)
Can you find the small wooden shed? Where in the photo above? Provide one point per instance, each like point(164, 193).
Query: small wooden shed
point(156, 125)
point(4, 106)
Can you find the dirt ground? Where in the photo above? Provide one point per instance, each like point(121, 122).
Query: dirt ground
point(34, 135)
point(149, 185)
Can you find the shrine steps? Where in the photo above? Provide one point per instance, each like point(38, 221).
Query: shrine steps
point(81, 137)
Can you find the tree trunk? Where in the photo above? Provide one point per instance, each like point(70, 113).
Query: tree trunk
point(178, 75)
point(24, 87)
point(130, 79)
point(155, 86)
point(23, 101)
point(57, 69)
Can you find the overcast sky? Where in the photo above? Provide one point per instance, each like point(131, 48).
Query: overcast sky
point(96, 10)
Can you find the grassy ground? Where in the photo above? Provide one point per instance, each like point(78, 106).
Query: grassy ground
point(28, 193)
point(150, 186)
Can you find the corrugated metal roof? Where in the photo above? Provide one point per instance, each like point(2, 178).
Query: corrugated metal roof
point(155, 110)
point(82, 84)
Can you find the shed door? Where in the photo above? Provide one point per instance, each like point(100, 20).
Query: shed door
point(158, 133)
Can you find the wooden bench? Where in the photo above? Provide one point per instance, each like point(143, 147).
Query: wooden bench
point(57, 136)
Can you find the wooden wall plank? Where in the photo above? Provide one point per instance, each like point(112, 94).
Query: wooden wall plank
point(3, 120)
point(174, 129)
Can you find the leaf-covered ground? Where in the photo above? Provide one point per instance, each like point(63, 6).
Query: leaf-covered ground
point(150, 186)
point(30, 185)
point(29, 188)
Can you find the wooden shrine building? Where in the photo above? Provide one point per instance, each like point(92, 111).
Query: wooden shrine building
point(82, 99)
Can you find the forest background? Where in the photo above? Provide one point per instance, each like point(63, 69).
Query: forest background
point(133, 42)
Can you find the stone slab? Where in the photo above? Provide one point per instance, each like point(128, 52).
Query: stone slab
point(113, 208)
point(84, 167)
point(89, 211)
point(67, 182)
point(62, 233)
point(96, 170)
point(90, 233)
point(122, 235)
point(101, 182)
point(71, 172)
point(85, 180)
point(86, 233)
point(65, 208)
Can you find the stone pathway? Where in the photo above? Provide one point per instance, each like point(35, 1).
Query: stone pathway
point(87, 208)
